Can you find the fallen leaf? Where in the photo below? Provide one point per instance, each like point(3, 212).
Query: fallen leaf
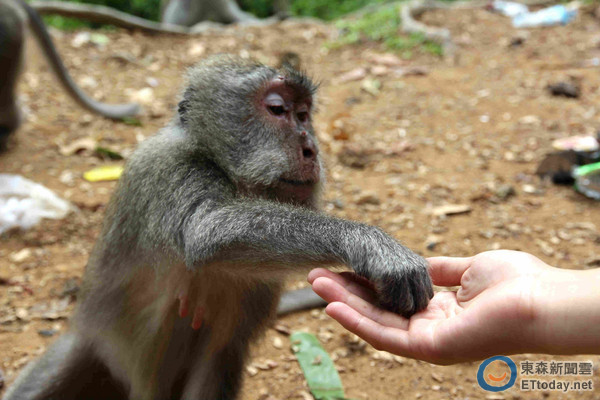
point(386, 59)
point(379, 70)
point(371, 86)
point(411, 71)
point(78, 145)
point(283, 329)
point(99, 39)
point(355, 75)
point(196, 49)
point(20, 255)
point(113, 155)
point(451, 209)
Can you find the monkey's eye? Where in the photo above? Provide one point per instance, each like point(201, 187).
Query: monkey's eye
point(277, 110)
point(302, 116)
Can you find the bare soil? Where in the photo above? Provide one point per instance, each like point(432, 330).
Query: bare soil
point(468, 132)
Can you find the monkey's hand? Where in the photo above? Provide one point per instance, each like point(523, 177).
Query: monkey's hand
point(398, 275)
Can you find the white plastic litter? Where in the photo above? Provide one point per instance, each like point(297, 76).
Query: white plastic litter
point(555, 15)
point(23, 203)
point(509, 8)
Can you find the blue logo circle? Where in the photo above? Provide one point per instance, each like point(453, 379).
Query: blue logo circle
point(486, 386)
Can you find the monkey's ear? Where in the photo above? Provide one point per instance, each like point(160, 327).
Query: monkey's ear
point(182, 110)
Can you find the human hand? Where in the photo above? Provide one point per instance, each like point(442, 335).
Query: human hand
point(494, 311)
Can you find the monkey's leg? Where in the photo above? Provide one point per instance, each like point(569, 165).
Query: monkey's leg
point(217, 371)
point(218, 377)
point(66, 371)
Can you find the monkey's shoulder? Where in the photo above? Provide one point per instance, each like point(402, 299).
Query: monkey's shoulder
point(167, 166)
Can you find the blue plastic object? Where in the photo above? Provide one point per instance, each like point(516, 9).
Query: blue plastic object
point(555, 15)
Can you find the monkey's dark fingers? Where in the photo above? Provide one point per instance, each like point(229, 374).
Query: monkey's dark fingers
point(407, 295)
point(448, 271)
point(352, 282)
point(333, 291)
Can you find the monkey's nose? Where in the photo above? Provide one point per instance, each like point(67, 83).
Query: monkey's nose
point(309, 150)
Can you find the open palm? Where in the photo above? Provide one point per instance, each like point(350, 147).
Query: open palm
point(492, 312)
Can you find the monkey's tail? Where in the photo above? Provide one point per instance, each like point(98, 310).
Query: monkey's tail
point(114, 111)
point(299, 299)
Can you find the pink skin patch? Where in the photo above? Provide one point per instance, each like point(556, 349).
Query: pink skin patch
point(184, 308)
point(197, 320)
point(184, 305)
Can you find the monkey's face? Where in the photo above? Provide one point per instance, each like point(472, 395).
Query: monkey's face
point(255, 123)
point(287, 108)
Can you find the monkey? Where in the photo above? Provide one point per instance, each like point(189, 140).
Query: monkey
point(209, 217)
point(14, 16)
point(299, 299)
point(191, 12)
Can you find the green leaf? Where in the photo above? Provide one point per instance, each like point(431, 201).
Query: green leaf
point(99, 39)
point(132, 121)
point(322, 378)
point(105, 152)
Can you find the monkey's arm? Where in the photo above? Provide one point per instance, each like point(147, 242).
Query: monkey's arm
point(262, 237)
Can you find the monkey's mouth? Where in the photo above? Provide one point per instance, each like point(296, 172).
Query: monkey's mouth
point(297, 183)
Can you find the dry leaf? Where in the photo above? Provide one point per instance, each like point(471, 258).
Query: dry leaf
point(451, 209)
point(411, 71)
point(196, 49)
point(386, 59)
point(20, 255)
point(355, 75)
point(380, 70)
point(87, 144)
point(283, 329)
point(371, 86)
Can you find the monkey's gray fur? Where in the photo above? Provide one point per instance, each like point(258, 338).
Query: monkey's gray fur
point(14, 16)
point(219, 205)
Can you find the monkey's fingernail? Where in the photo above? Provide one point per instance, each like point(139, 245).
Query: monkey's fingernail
point(303, 133)
point(197, 321)
point(183, 305)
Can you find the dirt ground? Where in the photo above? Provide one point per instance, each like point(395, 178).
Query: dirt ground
point(468, 132)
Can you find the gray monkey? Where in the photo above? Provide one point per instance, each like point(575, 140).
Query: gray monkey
point(14, 16)
point(191, 12)
point(211, 215)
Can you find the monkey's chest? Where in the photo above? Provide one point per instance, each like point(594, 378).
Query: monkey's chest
point(215, 304)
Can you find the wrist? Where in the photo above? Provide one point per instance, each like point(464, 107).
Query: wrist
point(566, 316)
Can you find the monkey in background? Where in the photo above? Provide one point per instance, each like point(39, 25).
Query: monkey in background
point(212, 213)
point(14, 16)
